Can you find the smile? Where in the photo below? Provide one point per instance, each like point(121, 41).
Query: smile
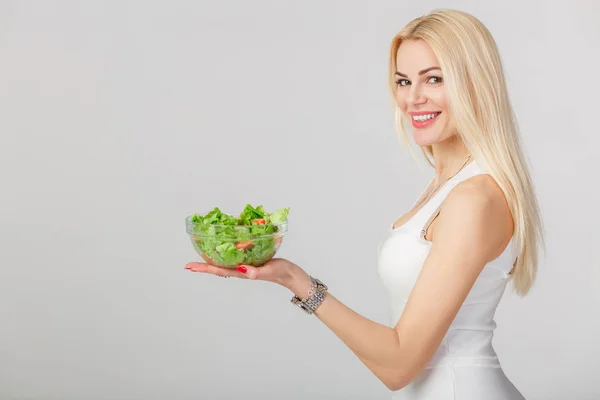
point(421, 121)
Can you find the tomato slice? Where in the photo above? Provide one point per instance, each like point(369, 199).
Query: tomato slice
point(243, 245)
point(259, 221)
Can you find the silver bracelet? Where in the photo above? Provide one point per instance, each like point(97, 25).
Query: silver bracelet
point(316, 295)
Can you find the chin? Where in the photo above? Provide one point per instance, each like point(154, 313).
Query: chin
point(424, 139)
point(428, 137)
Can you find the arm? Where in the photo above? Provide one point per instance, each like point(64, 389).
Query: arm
point(466, 238)
point(374, 344)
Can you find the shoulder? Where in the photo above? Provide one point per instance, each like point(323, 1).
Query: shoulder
point(480, 191)
point(476, 211)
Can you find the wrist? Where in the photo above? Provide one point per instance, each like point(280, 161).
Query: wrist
point(313, 298)
point(298, 282)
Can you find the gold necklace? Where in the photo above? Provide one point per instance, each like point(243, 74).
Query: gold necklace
point(450, 177)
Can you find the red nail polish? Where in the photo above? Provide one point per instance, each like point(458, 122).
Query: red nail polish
point(242, 269)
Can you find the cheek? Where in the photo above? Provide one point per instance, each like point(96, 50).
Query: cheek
point(401, 101)
point(439, 98)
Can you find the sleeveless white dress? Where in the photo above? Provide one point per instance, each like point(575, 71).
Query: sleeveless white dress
point(465, 366)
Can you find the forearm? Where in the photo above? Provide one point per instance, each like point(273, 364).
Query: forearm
point(376, 345)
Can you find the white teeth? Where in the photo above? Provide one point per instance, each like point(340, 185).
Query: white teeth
point(424, 117)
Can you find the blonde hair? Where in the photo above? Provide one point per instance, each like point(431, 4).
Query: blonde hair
point(481, 113)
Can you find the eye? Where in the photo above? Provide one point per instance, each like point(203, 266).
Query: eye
point(399, 82)
point(439, 80)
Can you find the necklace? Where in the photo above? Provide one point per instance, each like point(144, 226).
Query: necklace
point(450, 177)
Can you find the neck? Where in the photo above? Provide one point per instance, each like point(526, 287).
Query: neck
point(449, 155)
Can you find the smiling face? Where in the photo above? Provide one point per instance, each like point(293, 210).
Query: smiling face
point(420, 93)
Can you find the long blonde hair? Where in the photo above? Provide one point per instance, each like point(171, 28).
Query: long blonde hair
point(482, 115)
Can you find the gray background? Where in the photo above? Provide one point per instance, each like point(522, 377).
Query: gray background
point(120, 118)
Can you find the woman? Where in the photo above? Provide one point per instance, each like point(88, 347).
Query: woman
point(475, 227)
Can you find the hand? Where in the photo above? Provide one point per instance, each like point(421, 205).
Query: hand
point(277, 270)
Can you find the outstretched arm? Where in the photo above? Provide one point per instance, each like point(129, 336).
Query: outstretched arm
point(467, 236)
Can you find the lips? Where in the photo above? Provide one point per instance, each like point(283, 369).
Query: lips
point(422, 124)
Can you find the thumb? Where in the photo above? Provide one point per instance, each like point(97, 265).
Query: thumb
point(249, 271)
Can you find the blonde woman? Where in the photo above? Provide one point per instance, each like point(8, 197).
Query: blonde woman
point(475, 228)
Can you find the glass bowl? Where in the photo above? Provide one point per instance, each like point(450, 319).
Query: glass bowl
point(228, 246)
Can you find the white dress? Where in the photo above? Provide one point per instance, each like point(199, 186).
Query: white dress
point(465, 366)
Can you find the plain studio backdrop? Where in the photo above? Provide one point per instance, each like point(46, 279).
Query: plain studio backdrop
point(120, 118)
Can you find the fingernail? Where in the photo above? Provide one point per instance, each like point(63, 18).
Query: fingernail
point(242, 269)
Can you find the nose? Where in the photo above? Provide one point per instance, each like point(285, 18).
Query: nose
point(415, 95)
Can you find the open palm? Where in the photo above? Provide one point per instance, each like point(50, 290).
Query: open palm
point(276, 270)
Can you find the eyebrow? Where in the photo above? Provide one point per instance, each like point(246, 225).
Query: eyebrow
point(420, 72)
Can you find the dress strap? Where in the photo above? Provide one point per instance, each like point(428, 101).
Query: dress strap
point(436, 205)
point(423, 232)
point(468, 171)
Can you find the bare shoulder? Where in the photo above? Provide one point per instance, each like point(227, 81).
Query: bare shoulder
point(477, 206)
point(478, 188)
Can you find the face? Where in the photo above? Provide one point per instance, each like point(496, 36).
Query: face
point(420, 92)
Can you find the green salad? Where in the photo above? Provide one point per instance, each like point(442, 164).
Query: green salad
point(247, 239)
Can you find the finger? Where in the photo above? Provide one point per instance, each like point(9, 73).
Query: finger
point(196, 266)
point(211, 269)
